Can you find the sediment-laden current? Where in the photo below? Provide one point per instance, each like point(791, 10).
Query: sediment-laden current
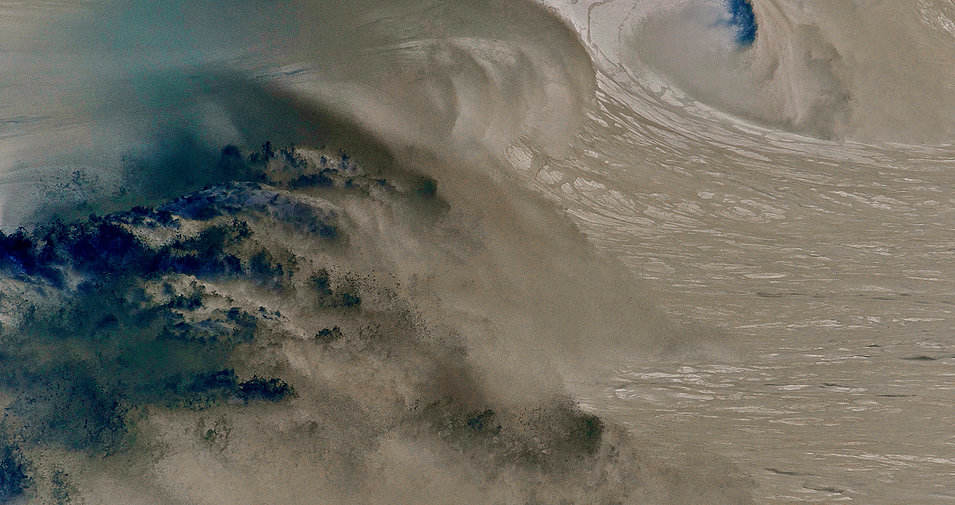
point(503, 252)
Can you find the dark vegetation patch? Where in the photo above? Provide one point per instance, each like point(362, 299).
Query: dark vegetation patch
point(181, 164)
point(79, 369)
point(289, 167)
point(82, 369)
point(103, 246)
point(292, 157)
point(345, 295)
point(66, 405)
point(208, 254)
point(482, 421)
point(233, 199)
point(190, 300)
point(260, 388)
point(426, 187)
point(146, 217)
point(61, 489)
point(21, 255)
point(14, 471)
point(322, 179)
point(341, 172)
point(262, 266)
point(329, 335)
point(549, 436)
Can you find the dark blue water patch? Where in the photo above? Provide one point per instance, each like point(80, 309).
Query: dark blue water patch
point(743, 21)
